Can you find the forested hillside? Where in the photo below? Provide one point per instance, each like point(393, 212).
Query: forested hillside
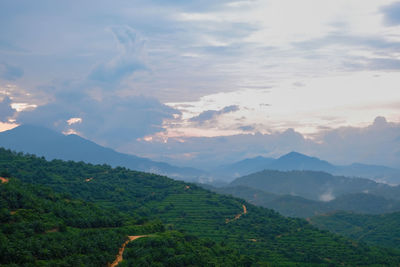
point(40, 227)
point(262, 236)
point(382, 230)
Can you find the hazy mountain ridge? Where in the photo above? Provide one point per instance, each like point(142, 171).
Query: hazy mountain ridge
point(313, 185)
point(296, 206)
point(52, 145)
point(298, 161)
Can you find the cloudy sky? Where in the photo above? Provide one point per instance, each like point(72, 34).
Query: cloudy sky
point(181, 81)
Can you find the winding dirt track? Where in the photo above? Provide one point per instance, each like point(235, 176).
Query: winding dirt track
point(238, 215)
point(122, 248)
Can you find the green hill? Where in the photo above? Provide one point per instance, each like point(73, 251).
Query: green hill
point(295, 206)
point(382, 230)
point(261, 235)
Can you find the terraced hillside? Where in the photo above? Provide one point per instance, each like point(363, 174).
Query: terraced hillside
point(262, 235)
point(378, 230)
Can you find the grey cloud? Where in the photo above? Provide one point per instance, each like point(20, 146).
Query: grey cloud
point(195, 5)
point(74, 44)
point(112, 121)
point(351, 40)
point(246, 128)
point(386, 64)
point(130, 57)
point(9, 72)
point(6, 111)
point(212, 114)
point(376, 45)
point(392, 14)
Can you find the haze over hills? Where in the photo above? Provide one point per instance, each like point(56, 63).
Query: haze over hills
point(296, 206)
point(314, 185)
point(52, 145)
point(298, 161)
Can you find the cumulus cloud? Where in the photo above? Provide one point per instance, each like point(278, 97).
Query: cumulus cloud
point(213, 114)
point(130, 57)
point(377, 143)
point(9, 72)
point(6, 111)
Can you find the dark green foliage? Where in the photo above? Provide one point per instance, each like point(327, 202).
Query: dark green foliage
point(379, 230)
point(177, 249)
point(261, 236)
point(40, 227)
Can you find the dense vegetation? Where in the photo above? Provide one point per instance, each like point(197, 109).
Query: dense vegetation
point(40, 227)
point(382, 230)
point(177, 249)
point(295, 206)
point(261, 236)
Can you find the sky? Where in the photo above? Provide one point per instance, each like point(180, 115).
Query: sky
point(202, 82)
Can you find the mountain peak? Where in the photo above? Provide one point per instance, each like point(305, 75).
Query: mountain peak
point(29, 128)
point(297, 161)
point(296, 155)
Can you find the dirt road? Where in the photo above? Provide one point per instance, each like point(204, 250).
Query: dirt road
point(122, 248)
point(238, 215)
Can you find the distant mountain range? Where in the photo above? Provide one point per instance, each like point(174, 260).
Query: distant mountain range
point(314, 185)
point(309, 193)
point(52, 145)
point(298, 161)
